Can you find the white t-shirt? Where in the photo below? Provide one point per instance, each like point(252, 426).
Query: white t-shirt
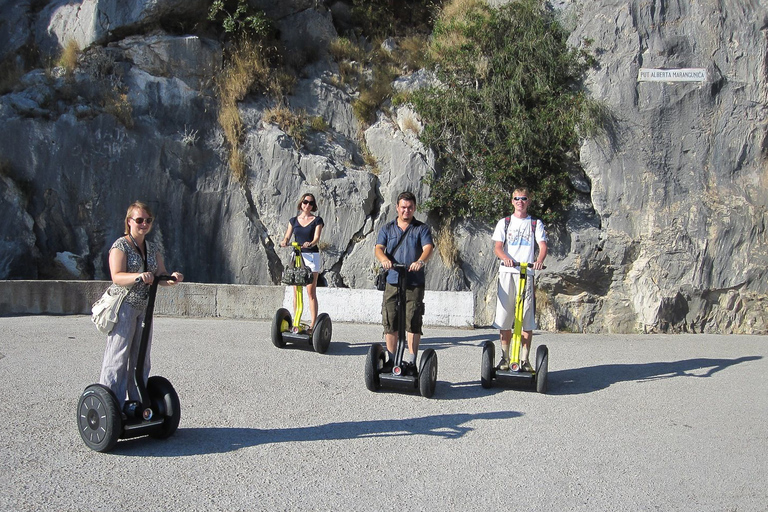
point(520, 245)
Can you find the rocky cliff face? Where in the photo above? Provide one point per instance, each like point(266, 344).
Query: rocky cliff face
point(668, 232)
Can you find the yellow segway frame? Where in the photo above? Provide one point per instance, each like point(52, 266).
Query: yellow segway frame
point(298, 291)
point(517, 333)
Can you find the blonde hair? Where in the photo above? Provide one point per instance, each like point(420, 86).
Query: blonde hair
point(136, 205)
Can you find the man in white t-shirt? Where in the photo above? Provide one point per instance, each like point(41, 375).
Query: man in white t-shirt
point(515, 240)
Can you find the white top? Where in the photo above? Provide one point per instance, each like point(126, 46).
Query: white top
point(520, 244)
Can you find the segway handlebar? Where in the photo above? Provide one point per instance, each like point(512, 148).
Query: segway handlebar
point(158, 278)
point(530, 265)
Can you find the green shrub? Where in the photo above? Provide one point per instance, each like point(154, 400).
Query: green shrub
point(509, 109)
point(394, 17)
point(239, 19)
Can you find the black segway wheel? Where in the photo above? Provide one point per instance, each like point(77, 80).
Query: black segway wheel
point(486, 365)
point(321, 335)
point(280, 324)
point(542, 365)
point(165, 402)
point(428, 373)
point(98, 418)
point(373, 362)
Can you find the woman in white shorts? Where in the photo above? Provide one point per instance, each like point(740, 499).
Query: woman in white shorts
point(306, 228)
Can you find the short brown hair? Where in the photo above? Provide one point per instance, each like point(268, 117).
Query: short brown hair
point(314, 207)
point(407, 196)
point(136, 205)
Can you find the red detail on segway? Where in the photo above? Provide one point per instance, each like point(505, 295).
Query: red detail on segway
point(397, 370)
point(514, 367)
point(147, 414)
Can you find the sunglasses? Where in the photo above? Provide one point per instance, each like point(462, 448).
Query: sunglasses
point(520, 198)
point(142, 220)
point(308, 202)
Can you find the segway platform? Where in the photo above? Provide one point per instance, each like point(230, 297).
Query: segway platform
point(514, 378)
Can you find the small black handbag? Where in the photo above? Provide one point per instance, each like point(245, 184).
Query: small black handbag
point(380, 281)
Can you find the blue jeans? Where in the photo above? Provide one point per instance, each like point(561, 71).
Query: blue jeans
point(122, 353)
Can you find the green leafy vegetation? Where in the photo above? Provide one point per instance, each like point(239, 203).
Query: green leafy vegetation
point(384, 18)
point(509, 110)
point(239, 19)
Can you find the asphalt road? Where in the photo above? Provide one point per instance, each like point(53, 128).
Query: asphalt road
point(630, 423)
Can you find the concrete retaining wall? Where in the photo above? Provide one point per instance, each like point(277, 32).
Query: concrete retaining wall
point(450, 309)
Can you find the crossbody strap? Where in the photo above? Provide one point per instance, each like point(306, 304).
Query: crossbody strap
point(405, 233)
point(144, 254)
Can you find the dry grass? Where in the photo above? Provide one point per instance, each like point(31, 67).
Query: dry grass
point(292, 123)
point(413, 51)
point(318, 124)
point(446, 243)
point(455, 15)
point(410, 124)
point(343, 49)
point(116, 103)
point(369, 159)
point(350, 58)
point(460, 9)
point(68, 57)
point(246, 69)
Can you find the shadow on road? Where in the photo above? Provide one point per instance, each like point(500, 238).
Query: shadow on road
point(344, 348)
point(587, 379)
point(201, 441)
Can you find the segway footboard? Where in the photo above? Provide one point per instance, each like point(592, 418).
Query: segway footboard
point(403, 382)
point(515, 379)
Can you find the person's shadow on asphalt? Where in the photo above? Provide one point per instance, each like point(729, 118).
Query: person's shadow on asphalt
point(201, 441)
point(576, 381)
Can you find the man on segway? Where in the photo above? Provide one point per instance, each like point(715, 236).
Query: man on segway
point(406, 241)
point(515, 240)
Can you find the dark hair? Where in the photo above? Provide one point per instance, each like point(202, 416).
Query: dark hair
point(314, 207)
point(407, 196)
point(136, 205)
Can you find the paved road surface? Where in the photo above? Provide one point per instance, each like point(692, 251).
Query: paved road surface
point(630, 423)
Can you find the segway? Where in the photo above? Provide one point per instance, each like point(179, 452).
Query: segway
point(157, 413)
point(285, 330)
point(516, 376)
point(382, 373)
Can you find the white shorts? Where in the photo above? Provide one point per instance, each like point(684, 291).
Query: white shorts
point(505, 302)
point(313, 260)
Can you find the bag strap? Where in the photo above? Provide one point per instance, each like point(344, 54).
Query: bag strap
point(405, 233)
point(533, 228)
point(144, 254)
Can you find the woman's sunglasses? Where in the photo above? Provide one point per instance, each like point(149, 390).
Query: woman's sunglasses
point(306, 201)
point(142, 220)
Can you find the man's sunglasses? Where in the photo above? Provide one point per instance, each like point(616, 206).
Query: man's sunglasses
point(142, 220)
point(520, 198)
point(306, 201)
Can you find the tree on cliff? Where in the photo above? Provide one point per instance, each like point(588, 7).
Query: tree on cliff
point(508, 108)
